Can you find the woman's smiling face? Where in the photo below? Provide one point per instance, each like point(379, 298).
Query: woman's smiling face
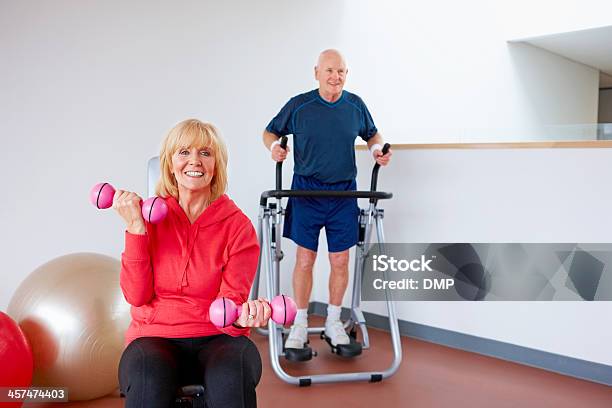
point(193, 168)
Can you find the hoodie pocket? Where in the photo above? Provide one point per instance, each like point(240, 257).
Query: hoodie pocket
point(179, 314)
point(144, 314)
point(172, 313)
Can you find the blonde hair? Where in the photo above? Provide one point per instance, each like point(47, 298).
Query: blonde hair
point(192, 133)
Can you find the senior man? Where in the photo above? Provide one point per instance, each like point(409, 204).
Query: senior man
point(324, 123)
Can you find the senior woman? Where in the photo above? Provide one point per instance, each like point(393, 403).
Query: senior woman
point(204, 249)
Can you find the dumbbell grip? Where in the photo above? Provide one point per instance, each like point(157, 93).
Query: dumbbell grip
point(102, 196)
point(224, 312)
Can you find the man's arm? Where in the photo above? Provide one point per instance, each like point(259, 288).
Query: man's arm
point(377, 153)
point(375, 140)
point(269, 138)
point(278, 153)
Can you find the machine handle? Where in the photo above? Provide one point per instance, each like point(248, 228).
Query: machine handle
point(279, 165)
point(385, 150)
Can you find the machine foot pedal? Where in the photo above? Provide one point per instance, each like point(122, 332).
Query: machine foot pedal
point(352, 349)
point(301, 354)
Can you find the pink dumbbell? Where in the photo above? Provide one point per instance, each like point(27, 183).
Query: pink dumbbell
point(224, 311)
point(154, 209)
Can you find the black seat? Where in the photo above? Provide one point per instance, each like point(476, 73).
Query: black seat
point(187, 396)
point(190, 396)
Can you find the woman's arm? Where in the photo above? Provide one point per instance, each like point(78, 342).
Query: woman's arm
point(136, 277)
point(238, 274)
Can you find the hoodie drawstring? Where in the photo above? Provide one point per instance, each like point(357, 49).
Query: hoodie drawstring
point(191, 243)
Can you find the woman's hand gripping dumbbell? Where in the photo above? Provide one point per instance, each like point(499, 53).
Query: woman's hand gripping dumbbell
point(128, 205)
point(224, 312)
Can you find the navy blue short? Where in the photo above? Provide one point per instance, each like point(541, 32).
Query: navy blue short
point(304, 217)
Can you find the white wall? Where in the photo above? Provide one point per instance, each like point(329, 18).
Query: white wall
point(90, 88)
point(512, 195)
point(527, 18)
point(443, 71)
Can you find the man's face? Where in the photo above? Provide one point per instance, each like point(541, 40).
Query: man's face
point(331, 73)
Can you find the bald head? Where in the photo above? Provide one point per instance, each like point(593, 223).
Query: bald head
point(331, 72)
point(330, 54)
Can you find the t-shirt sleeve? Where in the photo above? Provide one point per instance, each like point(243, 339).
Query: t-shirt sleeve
point(368, 128)
point(282, 124)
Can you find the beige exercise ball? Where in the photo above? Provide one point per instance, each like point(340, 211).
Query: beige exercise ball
point(74, 315)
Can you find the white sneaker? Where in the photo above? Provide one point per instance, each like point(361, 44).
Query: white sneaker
point(335, 331)
point(298, 337)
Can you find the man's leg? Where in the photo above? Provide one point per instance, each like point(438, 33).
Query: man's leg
point(338, 279)
point(342, 230)
point(302, 287)
point(302, 276)
point(338, 282)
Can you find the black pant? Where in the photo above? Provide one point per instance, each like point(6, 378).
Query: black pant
point(153, 368)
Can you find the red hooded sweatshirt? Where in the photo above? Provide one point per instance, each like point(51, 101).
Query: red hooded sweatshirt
point(171, 275)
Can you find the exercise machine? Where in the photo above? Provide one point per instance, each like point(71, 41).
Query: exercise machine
point(270, 221)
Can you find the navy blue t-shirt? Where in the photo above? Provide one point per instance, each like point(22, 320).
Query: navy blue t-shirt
point(324, 134)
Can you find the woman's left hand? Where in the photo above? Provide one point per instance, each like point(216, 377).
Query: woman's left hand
point(255, 313)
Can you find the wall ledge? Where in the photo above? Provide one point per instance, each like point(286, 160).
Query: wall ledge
point(582, 144)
